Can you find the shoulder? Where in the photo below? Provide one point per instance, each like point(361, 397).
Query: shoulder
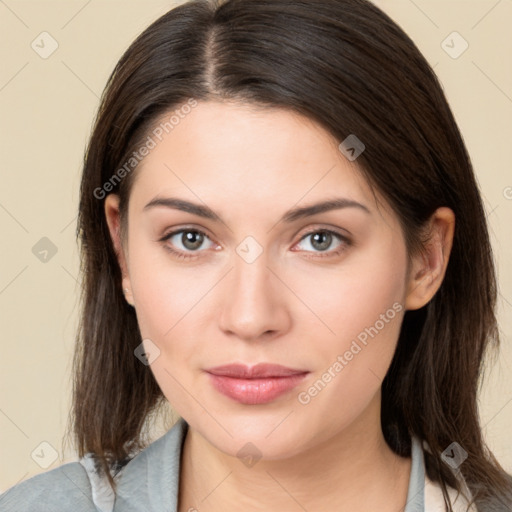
point(60, 489)
point(151, 476)
point(432, 491)
point(434, 501)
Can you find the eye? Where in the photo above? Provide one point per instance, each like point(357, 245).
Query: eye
point(190, 241)
point(321, 240)
point(186, 240)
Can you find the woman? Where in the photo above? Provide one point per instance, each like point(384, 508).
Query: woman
point(282, 237)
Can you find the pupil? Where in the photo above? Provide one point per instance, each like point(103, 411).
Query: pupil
point(326, 237)
point(192, 239)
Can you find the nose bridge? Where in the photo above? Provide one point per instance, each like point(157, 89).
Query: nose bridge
point(250, 270)
point(251, 278)
point(252, 305)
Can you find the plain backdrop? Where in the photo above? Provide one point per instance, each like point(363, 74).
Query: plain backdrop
point(47, 104)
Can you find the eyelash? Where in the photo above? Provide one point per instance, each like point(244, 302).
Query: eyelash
point(346, 242)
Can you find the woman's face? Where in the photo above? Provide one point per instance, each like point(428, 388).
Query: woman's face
point(259, 277)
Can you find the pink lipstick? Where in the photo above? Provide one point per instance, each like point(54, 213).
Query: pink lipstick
point(257, 384)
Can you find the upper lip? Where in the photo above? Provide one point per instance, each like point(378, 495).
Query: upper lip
point(258, 371)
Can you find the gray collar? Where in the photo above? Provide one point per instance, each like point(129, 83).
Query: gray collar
point(415, 494)
point(150, 481)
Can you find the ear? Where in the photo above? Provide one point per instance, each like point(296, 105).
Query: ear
point(114, 225)
point(428, 269)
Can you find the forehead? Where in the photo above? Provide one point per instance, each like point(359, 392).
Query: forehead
point(239, 154)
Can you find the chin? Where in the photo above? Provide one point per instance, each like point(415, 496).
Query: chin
point(271, 435)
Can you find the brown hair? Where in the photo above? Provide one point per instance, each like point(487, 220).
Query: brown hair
point(346, 65)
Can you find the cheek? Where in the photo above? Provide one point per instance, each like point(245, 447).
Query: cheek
point(363, 307)
point(362, 298)
point(174, 310)
point(166, 293)
point(168, 308)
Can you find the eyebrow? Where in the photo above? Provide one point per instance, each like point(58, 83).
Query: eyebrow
point(289, 216)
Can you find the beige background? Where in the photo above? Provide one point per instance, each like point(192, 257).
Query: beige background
point(47, 109)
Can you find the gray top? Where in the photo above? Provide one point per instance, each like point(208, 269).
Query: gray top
point(147, 483)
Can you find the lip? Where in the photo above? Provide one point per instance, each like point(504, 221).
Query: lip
point(258, 371)
point(257, 384)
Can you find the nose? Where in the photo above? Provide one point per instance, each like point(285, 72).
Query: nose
point(254, 302)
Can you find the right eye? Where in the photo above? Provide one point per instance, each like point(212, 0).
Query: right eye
point(190, 240)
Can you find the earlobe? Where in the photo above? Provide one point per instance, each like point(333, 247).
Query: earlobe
point(114, 225)
point(428, 268)
point(128, 294)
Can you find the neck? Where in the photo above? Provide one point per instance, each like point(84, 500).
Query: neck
point(354, 470)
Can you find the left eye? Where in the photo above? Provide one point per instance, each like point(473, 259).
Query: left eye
point(321, 240)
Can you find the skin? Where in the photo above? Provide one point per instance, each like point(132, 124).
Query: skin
point(294, 305)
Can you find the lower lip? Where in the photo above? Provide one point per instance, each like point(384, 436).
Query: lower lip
point(255, 391)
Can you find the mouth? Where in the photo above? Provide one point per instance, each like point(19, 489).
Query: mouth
point(252, 385)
